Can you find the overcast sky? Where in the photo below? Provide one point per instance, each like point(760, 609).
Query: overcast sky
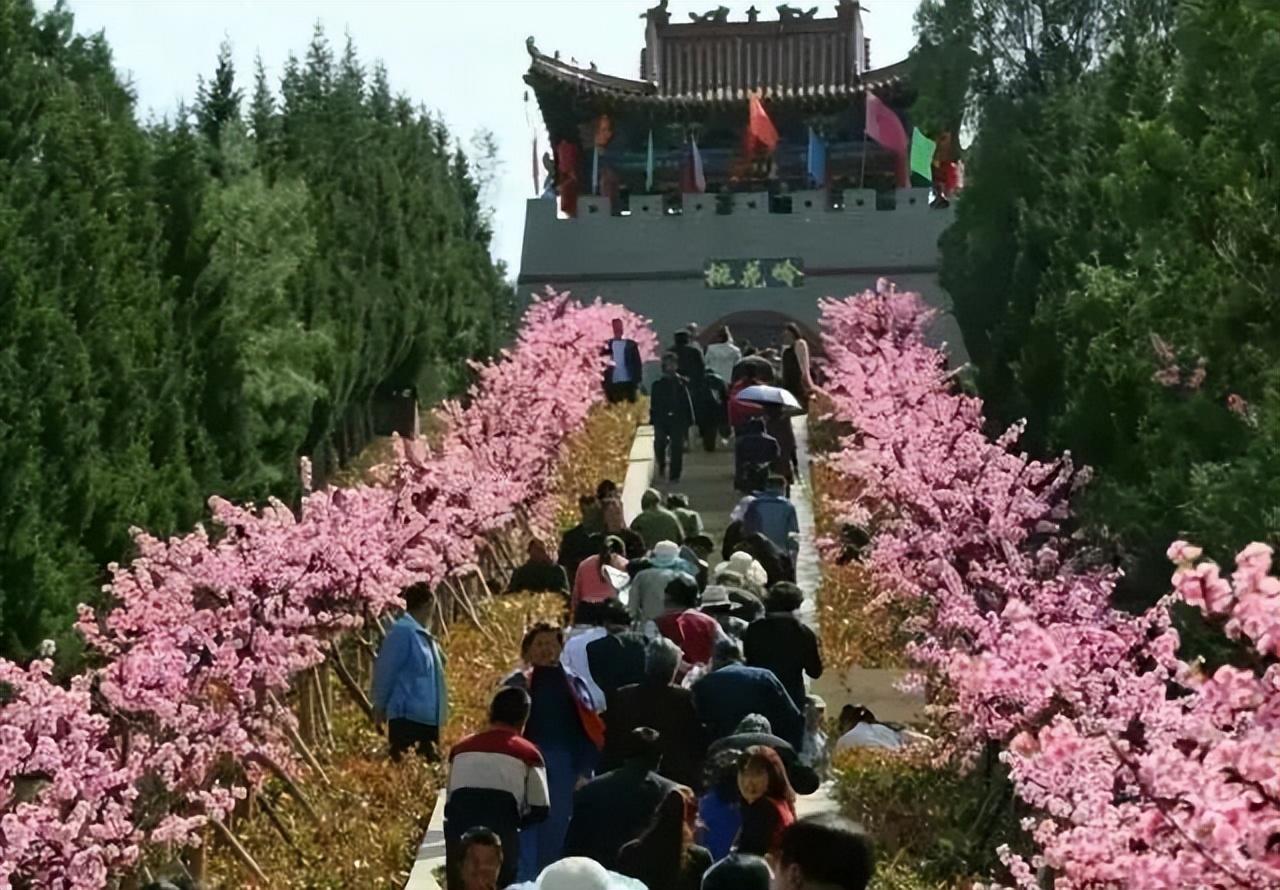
point(463, 58)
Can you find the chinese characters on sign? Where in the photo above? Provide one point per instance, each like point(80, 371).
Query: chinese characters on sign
point(741, 274)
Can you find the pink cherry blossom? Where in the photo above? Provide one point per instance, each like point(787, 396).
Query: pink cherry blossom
point(1141, 772)
point(207, 631)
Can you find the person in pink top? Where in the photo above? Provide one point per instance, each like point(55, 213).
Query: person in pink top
point(592, 585)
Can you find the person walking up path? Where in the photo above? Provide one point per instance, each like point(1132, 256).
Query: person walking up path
point(622, 376)
point(614, 808)
point(497, 781)
point(656, 523)
point(568, 732)
point(782, 643)
point(670, 415)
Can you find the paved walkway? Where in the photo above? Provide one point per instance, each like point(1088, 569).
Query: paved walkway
point(708, 483)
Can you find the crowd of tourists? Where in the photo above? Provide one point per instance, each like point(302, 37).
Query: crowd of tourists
point(657, 738)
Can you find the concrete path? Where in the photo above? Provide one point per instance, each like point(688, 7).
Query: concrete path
point(708, 483)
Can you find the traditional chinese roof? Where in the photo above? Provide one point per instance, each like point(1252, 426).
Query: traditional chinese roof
point(697, 67)
point(552, 74)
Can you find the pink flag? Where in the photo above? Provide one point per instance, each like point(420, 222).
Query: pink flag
point(884, 127)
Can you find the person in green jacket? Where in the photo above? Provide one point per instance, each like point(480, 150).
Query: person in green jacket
point(655, 522)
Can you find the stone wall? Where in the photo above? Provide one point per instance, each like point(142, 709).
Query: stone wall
point(653, 261)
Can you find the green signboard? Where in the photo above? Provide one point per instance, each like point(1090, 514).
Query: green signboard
point(742, 274)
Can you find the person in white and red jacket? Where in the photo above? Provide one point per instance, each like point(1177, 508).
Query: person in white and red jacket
point(498, 781)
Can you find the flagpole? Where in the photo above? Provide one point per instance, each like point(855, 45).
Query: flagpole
point(862, 176)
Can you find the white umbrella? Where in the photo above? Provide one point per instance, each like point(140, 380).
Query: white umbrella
point(771, 395)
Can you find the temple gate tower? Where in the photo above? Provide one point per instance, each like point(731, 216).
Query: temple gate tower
point(660, 194)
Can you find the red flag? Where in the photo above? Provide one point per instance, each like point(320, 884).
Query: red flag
point(884, 127)
point(567, 178)
point(760, 130)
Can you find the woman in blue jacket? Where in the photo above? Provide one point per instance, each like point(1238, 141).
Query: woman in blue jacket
point(409, 692)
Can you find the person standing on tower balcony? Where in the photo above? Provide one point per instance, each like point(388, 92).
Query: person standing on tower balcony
point(796, 375)
point(670, 415)
point(622, 377)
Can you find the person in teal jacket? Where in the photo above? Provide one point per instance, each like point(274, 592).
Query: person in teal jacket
point(409, 692)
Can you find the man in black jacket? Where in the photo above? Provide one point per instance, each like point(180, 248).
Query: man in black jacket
point(622, 376)
point(615, 808)
point(583, 540)
point(616, 660)
point(670, 415)
point(780, 642)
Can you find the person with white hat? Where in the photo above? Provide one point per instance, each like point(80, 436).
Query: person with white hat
point(746, 567)
point(580, 873)
point(647, 599)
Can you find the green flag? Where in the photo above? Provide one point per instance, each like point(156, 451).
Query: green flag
point(922, 148)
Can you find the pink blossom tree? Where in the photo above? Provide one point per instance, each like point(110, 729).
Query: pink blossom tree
point(1142, 772)
point(205, 632)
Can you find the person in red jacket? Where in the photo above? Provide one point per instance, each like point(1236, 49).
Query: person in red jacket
point(695, 632)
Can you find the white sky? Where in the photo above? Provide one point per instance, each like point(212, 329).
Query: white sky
point(462, 58)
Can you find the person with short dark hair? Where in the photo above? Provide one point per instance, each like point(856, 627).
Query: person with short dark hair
point(772, 514)
point(615, 807)
point(616, 660)
point(778, 425)
point(659, 702)
point(824, 852)
point(579, 542)
point(782, 643)
point(670, 415)
point(754, 453)
point(625, 369)
point(738, 871)
point(539, 574)
point(564, 725)
point(732, 690)
point(768, 802)
point(656, 523)
point(695, 632)
point(615, 523)
point(497, 783)
point(690, 520)
point(482, 855)
point(688, 355)
point(408, 691)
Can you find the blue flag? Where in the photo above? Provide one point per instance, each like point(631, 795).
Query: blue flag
point(817, 160)
point(648, 166)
